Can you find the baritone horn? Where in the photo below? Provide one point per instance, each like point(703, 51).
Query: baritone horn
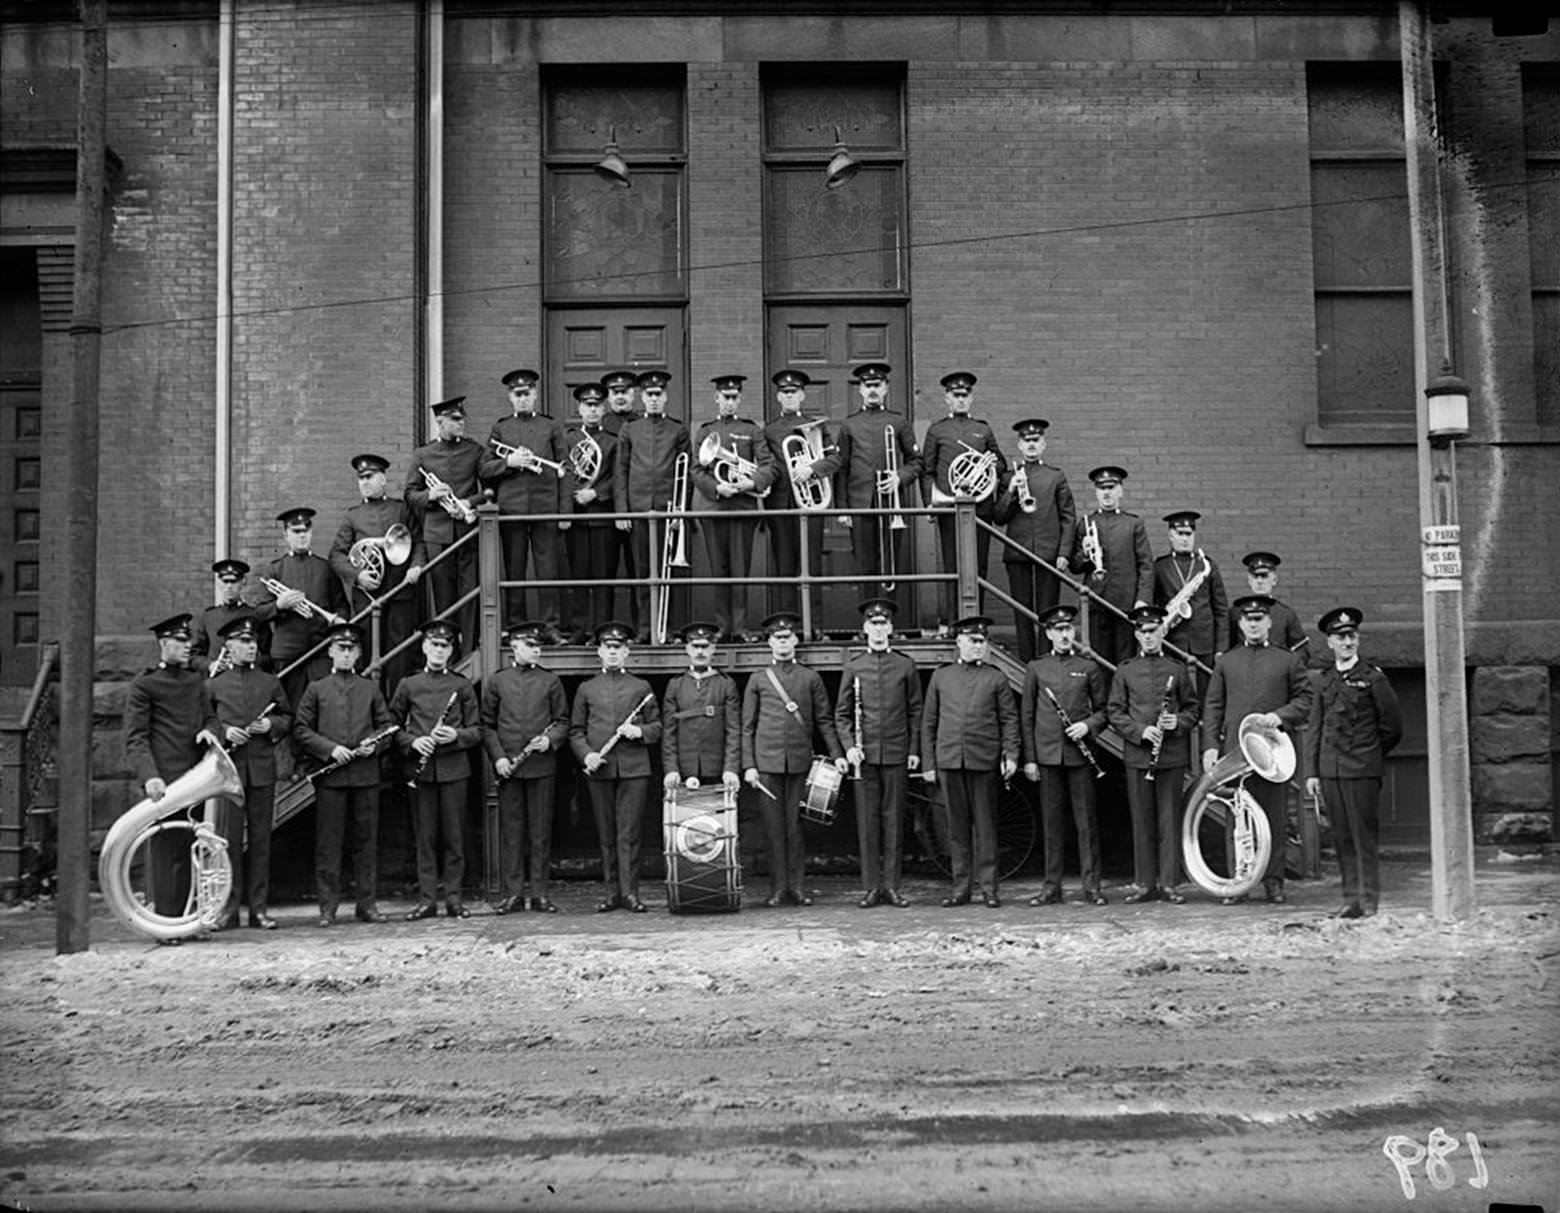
point(211, 870)
point(801, 450)
point(372, 555)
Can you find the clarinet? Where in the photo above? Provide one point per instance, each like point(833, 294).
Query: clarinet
point(371, 739)
point(860, 743)
point(423, 764)
point(1159, 742)
point(1083, 746)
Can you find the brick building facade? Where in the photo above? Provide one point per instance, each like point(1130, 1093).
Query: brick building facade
point(1119, 222)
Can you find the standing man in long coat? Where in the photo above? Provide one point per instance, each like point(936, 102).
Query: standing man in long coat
point(1037, 510)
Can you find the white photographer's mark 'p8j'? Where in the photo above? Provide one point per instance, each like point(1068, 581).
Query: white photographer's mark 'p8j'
point(1406, 1153)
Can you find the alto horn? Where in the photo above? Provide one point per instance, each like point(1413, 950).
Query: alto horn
point(211, 870)
point(1221, 796)
point(726, 465)
point(372, 555)
point(801, 450)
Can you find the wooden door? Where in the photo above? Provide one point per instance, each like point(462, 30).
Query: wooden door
point(584, 343)
point(826, 341)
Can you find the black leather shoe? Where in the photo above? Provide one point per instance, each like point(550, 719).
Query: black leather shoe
point(774, 899)
point(456, 910)
point(868, 900)
point(607, 906)
point(1275, 894)
point(801, 899)
point(428, 911)
point(506, 906)
point(1367, 909)
point(169, 943)
point(962, 900)
point(1173, 896)
point(1049, 897)
point(991, 900)
point(1093, 897)
point(634, 906)
point(1234, 901)
point(1139, 895)
point(542, 906)
point(372, 916)
point(263, 922)
point(896, 898)
point(327, 920)
point(1352, 910)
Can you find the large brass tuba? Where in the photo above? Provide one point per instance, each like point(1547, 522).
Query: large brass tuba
point(1221, 797)
point(211, 871)
point(371, 555)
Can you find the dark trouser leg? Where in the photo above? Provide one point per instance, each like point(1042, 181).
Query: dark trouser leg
point(785, 539)
point(783, 830)
point(628, 810)
point(677, 608)
point(984, 787)
point(1021, 578)
point(539, 797)
point(425, 796)
point(397, 620)
point(517, 539)
point(512, 796)
point(544, 559)
point(593, 555)
point(956, 798)
point(948, 593)
point(603, 797)
point(1270, 796)
point(1167, 797)
point(452, 821)
point(869, 825)
point(718, 544)
point(365, 847)
point(449, 579)
point(168, 871)
point(867, 549)
point(259, 812)
point(229, 822)
point(1080, 786)
point(1141, 804)
point(330, 817)
point(892, 814)
point(1053, 803)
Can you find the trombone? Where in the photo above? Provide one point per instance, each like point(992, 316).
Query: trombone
point(890, 495)
point(309, 610)
point(530, 461)
point(674, 545)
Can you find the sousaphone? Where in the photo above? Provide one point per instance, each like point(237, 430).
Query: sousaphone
point(1233, 816)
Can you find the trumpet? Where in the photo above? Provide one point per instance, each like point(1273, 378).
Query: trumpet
point(800, 450)
point(1093, 549)
point(1026, 497)
point(372, 555)
point(973, 473)
point(674, 546)
point(585, 460)
point(530, 461)
point(305, 608)
point(454, 506)
point(728, 466)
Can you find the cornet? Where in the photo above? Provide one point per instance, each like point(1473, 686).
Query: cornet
point(305, 608)
point(801, 450)
point(371, 555)
point(530, 461)
point(1093, 550)
point(453, 505)
point(1026, 497)
point(728, 466)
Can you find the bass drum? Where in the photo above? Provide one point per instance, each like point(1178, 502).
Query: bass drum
point(703, 867)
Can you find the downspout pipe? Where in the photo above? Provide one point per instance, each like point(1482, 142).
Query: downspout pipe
point(221, 513)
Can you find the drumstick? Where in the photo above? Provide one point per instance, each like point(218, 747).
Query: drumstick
point(759, 784)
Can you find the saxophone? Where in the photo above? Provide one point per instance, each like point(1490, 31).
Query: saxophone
point(1180, 607)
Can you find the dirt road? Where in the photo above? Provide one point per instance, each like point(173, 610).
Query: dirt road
point(1140, 1057)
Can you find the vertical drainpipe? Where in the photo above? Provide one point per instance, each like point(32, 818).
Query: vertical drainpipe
point(221, 489)
point(433, 175)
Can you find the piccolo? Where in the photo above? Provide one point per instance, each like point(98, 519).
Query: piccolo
point(1083, 746)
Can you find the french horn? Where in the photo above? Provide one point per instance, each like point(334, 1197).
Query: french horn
point(973, 473)
point(1220, 797)
point(372, 555)
point(211, 870)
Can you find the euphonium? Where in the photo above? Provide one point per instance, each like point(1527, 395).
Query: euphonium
point(1221, 795)
point(371, 555)
point(973, 473)
point(801, 450)
point(211, 871)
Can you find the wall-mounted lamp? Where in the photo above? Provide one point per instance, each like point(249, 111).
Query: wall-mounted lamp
point(842, 167)
point(611, 165)
point(1446, 400)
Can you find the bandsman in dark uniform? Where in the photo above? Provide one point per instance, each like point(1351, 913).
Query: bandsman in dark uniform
point(959, 435)
point(1263, 678)
point(970, 741)
point(297, 627)
point(620, 387)
point(440, 723)
point(254, 714)
point(593, 542)
point(877, 716)
point(525, 721)
point(732, 469)
point(1262, 578)
point(1055, 753)
point(784, 709)
point(456, 462)
point(1036, 508)
point(374, 518)
point(1355, 722)
point(1201, 632)
point(785, 534)
point(701, 718)
point(862, 479)
point(647, 453)
point(614, 722)
point(208, 646)
point(343, 722)
point(1126, 579)
point(168, 724)
point(525, 485)
point(1153, 706)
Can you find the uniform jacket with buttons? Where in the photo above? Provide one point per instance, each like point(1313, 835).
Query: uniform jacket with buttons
point(236, 698)
point(891, 706)
point(373, 520)
point(1137, 693)
point(420, 701)
point(970, 720)
point(744, 436)
point(1355, 723)
point(1078, 682)
point(521, 490)
point(1129, 561)
point(862, 452)
point(778, 727)
point(603, 703)
point(342, 709)
point(942, 446)
point(1203, 634)
point(293, 634)
point(701, 726)
point(606, 474)
point(647, 450)
point(519, 703)
point(1051, 530)
point(166, 708)
point(1254, 678)
point(457, 464)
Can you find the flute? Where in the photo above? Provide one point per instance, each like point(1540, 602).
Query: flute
point(1083, 746)
point(617, 733)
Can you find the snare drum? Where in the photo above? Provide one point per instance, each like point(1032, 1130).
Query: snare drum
point(823, 792)
point(703, 871)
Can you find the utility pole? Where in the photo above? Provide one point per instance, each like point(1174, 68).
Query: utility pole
point(1446, 697)
point(79, 557)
